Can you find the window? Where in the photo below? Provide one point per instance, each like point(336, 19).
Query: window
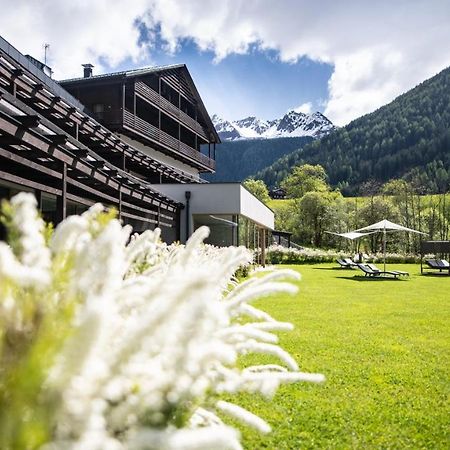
point(98, 108)
point(223, 228)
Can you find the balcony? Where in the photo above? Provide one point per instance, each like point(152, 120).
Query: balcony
point(174, 146)
point(164, 105)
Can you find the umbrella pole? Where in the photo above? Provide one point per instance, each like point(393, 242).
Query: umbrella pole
point(384, 249)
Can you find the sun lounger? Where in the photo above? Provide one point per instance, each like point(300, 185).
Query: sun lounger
point(376, 269)
point(368, 272)
point(438, 264)
point(433, 264)
point(342, 263)
point(345, 263)
point(350, 262)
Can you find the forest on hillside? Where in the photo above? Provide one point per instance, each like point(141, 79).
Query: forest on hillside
point(408, 138)
point(237, 160)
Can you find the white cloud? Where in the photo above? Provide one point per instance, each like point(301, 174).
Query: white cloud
point(304, 108)
point(378, 49)
point(99, 32)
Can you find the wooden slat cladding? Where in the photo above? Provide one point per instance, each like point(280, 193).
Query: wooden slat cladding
point(160, 102)
point(160, 137)
point(175, 79)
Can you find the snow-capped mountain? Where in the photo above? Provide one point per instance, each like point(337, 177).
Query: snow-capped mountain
point(292, 124)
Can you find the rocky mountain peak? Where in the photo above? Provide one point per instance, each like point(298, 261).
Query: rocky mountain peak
point(292, 124)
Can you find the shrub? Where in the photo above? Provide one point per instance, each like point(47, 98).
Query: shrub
point(106, 345)
point(277, 254)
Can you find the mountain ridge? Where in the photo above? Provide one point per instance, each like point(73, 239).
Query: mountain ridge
point(292, 124)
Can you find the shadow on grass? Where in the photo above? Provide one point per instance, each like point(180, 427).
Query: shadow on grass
point(363, 278)
point(341, 269)
point(435, 274)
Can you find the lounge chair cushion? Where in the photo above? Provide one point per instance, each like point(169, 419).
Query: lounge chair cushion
point(376, 269)
point(376, 273)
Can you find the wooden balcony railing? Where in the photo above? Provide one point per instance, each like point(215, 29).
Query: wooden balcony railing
point(167, 141)
point(160, 102)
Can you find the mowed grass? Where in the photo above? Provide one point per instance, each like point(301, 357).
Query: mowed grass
point(384, 348)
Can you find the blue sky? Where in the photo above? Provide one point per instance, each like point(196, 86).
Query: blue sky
point(255, 83)
point(249, 57)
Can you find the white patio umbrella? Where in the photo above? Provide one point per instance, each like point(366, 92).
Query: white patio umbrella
point(352, 235)
point(385, 226)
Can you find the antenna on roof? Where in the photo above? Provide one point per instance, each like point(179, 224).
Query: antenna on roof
point(46, 47)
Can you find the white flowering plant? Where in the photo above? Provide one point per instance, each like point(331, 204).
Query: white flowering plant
point(278, 254)
point(110, 341)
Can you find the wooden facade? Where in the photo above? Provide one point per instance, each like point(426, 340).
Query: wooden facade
point(159, 107)
point(51, 145)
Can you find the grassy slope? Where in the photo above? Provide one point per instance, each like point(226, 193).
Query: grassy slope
point(384, 348)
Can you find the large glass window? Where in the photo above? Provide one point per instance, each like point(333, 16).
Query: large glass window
point(169, 93)
point(228, 229)
point(224, 228)
point(147, 112)
point(187, 107)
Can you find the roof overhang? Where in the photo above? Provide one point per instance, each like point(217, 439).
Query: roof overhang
point(220, 199)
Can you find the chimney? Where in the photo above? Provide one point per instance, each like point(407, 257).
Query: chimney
point(87, 70)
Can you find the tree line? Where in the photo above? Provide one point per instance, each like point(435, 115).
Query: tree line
point(237, 160)
point(313, 207)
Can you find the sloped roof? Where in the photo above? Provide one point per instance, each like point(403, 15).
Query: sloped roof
point(127, 73)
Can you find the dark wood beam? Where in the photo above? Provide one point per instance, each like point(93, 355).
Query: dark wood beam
point(80, 153)
point(36, 88)
point(28, 121)
point(38, 195)
point(120, 204)
point(54, 102)
point(95, 163)
point(58, 139)
point(9, 140)
point(29, 164)
point(17, 73)
point(41, 143)
point(6, 176)
point(61, 201)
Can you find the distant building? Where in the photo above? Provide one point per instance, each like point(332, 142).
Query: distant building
point(135, 140)
point(277, 193)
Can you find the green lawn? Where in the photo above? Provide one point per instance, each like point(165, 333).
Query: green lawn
point(384, 348)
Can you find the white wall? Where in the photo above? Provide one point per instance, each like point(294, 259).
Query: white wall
point(217, 198)
point(161, 157)
point(256, 210)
